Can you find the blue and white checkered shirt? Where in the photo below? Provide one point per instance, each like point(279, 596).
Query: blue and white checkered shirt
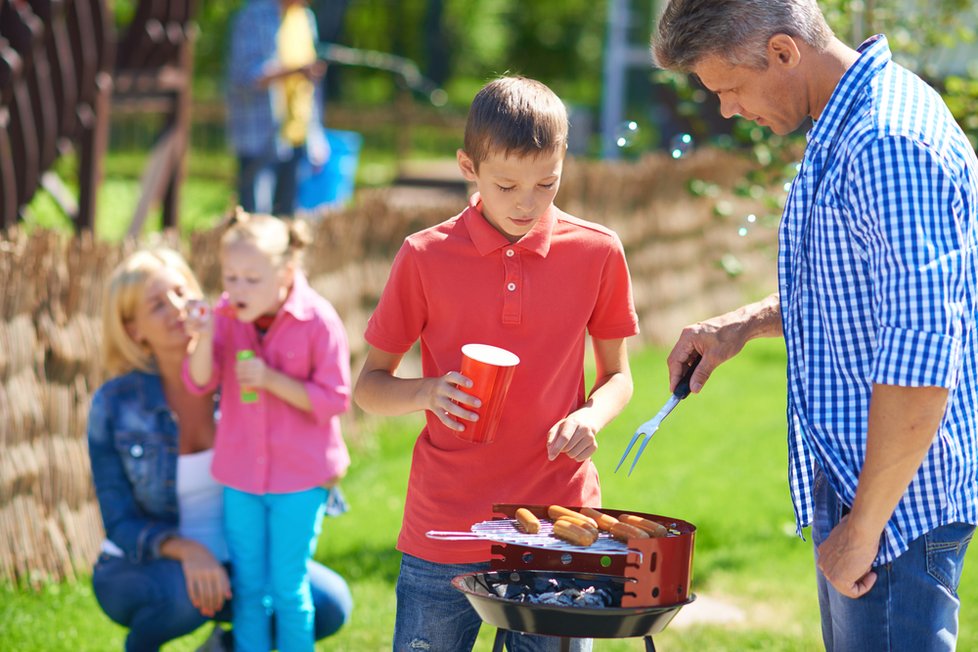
point(878, 270)
point(253, 126)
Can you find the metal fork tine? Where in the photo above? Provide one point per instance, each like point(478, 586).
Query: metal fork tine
point(628, 449)
point(641, 449)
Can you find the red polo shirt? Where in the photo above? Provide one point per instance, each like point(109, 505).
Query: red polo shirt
point(462, 281)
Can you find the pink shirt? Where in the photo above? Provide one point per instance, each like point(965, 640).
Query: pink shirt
point(270, 446)
point(462, 281)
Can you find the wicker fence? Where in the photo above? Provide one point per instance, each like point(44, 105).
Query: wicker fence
point(678, 246)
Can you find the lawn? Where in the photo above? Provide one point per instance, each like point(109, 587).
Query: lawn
point(718, 461)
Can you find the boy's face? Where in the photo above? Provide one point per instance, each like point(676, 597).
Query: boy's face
point(516, 190)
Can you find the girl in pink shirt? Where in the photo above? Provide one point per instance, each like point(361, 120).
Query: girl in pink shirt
point(279, 352)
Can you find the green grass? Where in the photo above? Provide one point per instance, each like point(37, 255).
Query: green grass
point(718, 461)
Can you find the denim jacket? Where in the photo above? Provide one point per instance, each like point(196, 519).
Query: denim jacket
point(133, 443)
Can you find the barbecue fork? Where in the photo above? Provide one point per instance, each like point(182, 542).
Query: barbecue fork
point(648, 428)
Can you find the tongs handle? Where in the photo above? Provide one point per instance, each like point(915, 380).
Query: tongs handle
point(682, 387)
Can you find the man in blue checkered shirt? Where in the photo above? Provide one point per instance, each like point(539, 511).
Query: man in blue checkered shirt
point(878, 299)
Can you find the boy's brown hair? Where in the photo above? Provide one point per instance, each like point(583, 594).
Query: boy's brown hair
point(515, 115)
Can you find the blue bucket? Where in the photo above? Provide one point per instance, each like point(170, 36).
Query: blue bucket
point(331, 185)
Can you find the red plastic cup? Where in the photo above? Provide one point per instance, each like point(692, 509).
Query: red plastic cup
point(491, 370)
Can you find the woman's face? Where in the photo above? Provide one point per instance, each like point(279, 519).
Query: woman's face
point(161, 312)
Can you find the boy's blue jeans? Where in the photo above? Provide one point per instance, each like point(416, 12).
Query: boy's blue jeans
point(270, 539)
point(913, 605)
point(435, 617)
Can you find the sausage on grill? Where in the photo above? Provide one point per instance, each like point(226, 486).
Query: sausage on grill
point(564, 529)
point(623, 532)
point(527, 520)
point(556, 511)
point(651, 527)
point(580, 522)
point(604, 521)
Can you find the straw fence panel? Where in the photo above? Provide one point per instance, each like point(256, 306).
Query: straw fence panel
point(50, 318)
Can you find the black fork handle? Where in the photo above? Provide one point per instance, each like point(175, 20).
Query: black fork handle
point(682, 387)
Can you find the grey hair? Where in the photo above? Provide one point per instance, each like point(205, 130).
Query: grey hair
point(738, 31)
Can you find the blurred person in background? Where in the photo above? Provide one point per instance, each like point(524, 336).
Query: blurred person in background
point(163, 570)
point(877, 304)
point(274, 101)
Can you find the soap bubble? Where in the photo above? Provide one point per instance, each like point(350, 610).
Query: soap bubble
point(626, 133)
point(744, 228)
point(680, 145)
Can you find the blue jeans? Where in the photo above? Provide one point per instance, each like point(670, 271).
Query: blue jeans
point(268, 184)
point(435, 617)
point(151, 600)
point(913, 605)
point(270, 539)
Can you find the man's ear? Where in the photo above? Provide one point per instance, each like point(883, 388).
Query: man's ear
point(782, 50)
point(466, 165)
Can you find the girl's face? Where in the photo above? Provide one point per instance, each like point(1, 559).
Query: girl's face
point(160, 314)
point(254, 285)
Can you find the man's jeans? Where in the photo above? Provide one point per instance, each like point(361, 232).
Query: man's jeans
point(434, 617)
point(913, 605)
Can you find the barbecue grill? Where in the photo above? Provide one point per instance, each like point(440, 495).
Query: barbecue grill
point(652, 577)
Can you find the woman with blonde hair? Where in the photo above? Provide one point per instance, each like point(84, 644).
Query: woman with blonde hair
point(163, 569)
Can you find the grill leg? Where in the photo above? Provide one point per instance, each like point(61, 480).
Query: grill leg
point(649, 645)
point(565, 644)
point(497, 643)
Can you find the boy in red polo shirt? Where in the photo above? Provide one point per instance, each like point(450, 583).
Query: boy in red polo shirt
point(514, 271)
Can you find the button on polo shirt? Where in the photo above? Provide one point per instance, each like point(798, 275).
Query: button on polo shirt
point(462, 281)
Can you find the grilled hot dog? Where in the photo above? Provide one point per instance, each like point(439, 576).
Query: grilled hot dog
point(651, 527)
point(580, 522)
point(604, 521)
point(623, 532)
point(564, 529)
point(556, 511)
point(527, 520)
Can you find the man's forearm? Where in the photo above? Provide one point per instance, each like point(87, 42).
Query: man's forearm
point(903, 422)
point(762, 318)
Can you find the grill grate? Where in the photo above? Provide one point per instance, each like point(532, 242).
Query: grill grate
point(505, 530)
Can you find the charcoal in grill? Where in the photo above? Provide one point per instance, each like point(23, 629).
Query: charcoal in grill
point(560, 591)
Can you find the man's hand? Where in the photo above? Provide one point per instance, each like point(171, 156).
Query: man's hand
point(846, 559)
point(718, 339)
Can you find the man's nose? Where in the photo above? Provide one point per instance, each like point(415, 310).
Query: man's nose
point(729, 108)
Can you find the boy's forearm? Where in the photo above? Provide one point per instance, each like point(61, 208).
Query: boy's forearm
point(609, 397)
point(380, 392)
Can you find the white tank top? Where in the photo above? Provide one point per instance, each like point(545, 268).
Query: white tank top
point(201, 503)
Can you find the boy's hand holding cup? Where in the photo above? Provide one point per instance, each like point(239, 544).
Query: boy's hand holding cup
point(491, 370)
